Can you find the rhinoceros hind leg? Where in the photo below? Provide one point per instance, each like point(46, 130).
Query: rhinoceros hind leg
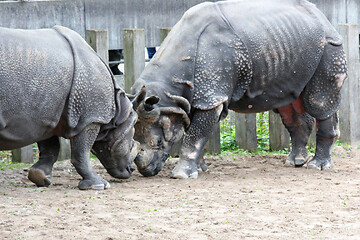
point(299, 124)
point(41, 172)
point(321, 98)
point(326, 136)
point(80, 158)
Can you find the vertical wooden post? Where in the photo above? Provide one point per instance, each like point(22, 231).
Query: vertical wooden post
point(213, 145)
point(98, 40)
point(163, 33)
point(312, 139)
point(245, 131)
point(23, 155)
point(350, 109)
point(134, 55)
point(279, 137)
point(65, 149)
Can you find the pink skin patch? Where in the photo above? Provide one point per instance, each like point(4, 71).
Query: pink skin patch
point(287, 111)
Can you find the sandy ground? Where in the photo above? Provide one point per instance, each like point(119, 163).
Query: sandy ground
point(241, 197)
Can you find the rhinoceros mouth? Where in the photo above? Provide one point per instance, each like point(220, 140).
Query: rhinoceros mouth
point(121, 174)
point(153, 168)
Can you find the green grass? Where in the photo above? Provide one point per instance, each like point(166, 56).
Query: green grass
point(7, 163)
point(228, 142)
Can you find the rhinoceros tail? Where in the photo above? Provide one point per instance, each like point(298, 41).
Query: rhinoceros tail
point(91, 97)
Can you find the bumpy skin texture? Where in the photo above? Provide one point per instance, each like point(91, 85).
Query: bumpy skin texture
point(248, 56)
point(53, 84)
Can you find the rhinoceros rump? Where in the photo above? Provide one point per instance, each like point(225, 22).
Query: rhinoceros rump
point(53, 84)
point(248, 56)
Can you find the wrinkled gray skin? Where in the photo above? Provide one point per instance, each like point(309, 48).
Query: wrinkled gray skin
point(53, 84)
point(248, 56)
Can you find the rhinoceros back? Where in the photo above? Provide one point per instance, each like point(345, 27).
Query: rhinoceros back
point(35, 75)
point(285, 40)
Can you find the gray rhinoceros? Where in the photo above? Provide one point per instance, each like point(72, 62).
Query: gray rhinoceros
point(53, 84)
point(248, 56)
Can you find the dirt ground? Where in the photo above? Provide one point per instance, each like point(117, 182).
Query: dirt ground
point(240, 197)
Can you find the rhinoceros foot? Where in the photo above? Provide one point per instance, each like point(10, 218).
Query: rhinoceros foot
point(297, 160)
point(320, 164)
point(39, 177)
point(96, 184)
point(184, 169)
point(202, 166)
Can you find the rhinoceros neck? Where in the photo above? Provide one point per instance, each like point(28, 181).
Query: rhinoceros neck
point(173, 65)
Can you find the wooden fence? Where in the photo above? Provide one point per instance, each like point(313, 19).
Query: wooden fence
point(245, 124)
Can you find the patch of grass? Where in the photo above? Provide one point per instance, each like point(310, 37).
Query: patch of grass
point(7, 163)
point(227, 136)
point(258, 151)
point(10, 165)
point(262, 131)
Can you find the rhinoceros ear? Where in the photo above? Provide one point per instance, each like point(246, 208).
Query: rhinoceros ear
point(137, 98)
point(180, 101)
point(150, 101)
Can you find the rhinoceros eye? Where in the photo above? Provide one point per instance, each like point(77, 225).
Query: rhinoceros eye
point(160, 142)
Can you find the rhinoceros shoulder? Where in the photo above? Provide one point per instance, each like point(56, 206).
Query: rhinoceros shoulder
point(92, 94)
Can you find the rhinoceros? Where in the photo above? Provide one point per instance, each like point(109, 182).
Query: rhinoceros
point(249, 56)
point(52, 84)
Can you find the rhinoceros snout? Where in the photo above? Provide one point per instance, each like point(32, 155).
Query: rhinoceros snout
point(150, 168)
point(122, 174)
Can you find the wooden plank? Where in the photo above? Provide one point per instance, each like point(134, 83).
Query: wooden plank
point(245, 131)
point(279, 137)
point(350, 110)
point(98, 40)
point(134, 56)
point(213, 144)
point(23, 155)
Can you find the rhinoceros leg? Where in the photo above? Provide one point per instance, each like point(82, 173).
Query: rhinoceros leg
point(201, 127)
point(299, 125)
point(326, 135)
point(321, 99)
point(81, 145)
point(201, 164)
point(41, 172)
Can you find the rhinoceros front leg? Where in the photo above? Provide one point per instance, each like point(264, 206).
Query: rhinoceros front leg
point(41, 172)
point(201, 127)
point(81, 145)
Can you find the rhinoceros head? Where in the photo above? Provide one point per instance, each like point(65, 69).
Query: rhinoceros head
point(117, 150)
point(158, 128)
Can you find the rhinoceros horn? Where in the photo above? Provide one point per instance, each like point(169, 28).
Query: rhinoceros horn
point(176, 110)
